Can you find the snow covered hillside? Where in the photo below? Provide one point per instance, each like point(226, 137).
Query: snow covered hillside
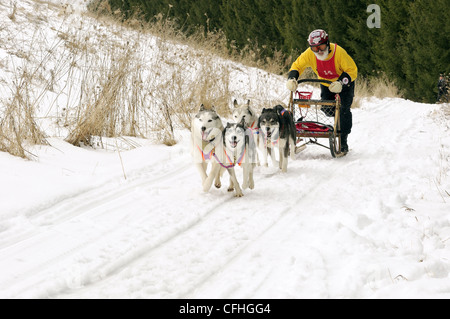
point(80, 222)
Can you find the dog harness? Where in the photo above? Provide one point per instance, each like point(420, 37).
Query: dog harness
point(207, 156)
point(253, 128)
point(271, 142)
point(212, 154)
point(284, 111)
point(233, 163)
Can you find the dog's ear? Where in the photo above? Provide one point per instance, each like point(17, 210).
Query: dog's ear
point(242, 123)
point(235, 103)
point(202, 107)
point(213, 108)
point(248, 102)
point(228, 125)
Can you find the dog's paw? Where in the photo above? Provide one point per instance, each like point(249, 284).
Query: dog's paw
point(230, 189)
point(238, 194)
point(218, 185)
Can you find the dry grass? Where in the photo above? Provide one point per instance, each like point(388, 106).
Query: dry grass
point(98, 81)
point(380, 87)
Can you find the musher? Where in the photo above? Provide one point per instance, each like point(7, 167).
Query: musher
point(330, 62)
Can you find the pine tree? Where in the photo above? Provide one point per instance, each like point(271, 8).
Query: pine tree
point(427, 51)
point(389, 45)
point(358, 39)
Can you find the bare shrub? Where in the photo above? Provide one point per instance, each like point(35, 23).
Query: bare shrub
point(380, 87)
point(17, 126)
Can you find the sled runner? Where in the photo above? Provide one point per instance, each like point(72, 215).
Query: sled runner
point(316, 119)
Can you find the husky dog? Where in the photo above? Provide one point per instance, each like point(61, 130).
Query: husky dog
point(206, 133)
point(277, 130)
point(240, 149)
point(245, 111)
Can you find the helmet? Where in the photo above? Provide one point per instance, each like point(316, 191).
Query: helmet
point(318, 37)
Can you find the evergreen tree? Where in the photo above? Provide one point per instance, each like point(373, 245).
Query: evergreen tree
point(359, 39)
point(411, 47)
point(300, 18)
point(427, 51)
point(389, 46)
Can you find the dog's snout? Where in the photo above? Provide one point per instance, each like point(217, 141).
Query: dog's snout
point(203, 128)
point(234, 137)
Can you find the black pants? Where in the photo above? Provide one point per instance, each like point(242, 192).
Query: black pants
point(347, 94)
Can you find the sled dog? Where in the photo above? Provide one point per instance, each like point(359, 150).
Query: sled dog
point(206, 133)
point(240, 149)
point(246, 112)
point(277, 130)
point(208, 147)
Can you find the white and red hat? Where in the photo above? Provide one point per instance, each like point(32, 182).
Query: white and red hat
point(318, 37)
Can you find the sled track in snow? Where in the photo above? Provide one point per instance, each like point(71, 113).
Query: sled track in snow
point(96, 205)
point(87, 202)
point(266, 235)
point(50, 221)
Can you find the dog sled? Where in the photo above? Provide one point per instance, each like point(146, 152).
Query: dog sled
point(316, 119)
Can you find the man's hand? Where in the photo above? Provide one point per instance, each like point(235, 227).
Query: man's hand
point(291, 84)
point(335, 87)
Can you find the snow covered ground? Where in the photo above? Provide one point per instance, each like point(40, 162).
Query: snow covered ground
point(92, 223)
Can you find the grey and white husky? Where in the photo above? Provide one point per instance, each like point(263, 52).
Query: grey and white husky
point(240, 149)
point(247, 113)
point(208, 147)
point(277, 130)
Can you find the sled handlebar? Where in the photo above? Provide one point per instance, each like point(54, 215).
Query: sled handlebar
point(314, 80)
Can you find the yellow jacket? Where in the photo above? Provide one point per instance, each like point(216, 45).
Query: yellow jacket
point(343, 62)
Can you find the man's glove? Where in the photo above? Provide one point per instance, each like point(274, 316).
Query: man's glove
point(291, 84)
point(335, 87)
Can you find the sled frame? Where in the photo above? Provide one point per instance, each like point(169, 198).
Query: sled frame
point(312, 123)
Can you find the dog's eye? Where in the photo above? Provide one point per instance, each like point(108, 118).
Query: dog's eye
point(209, 120)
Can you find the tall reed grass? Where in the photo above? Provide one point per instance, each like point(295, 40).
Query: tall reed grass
point(104, 77)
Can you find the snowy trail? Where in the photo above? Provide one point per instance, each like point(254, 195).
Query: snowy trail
point(373, 224)
point(157, 235)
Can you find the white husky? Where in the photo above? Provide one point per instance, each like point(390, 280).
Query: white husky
point(240, 149)
point(207, 147)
